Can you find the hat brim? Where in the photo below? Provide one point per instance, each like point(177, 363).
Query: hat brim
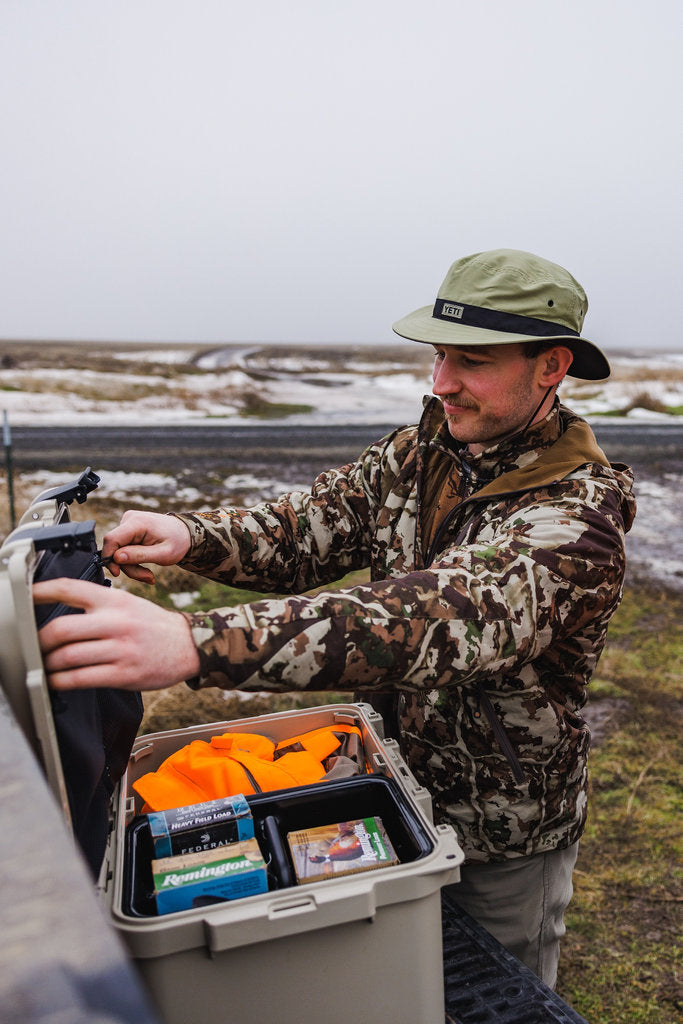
point(588, 363)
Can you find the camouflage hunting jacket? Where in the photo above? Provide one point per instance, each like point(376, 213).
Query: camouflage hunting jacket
point(492, 581)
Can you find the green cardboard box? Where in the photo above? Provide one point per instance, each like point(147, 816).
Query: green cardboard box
point(227, 873)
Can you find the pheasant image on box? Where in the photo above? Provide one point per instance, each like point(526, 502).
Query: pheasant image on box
point(343, 848)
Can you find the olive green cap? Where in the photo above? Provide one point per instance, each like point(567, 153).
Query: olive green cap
point(506, 296)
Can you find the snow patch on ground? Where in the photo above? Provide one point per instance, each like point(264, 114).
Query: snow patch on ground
point(352, 391)
point(151, 488)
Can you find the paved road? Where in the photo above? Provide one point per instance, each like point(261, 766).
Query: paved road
point(205, 449)
point(224, 449)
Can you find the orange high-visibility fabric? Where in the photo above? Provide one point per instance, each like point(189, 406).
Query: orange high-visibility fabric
point(238, 762)
point(320, 742)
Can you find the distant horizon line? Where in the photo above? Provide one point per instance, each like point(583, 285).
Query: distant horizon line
point(388, 343)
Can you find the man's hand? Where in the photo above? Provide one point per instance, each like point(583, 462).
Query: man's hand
point(145, 537)
point(122, 641)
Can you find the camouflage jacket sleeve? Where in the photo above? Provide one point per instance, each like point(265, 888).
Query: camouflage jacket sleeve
point(301, 541)
point(535, 570)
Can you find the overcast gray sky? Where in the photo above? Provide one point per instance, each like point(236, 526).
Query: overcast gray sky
point(307, 171)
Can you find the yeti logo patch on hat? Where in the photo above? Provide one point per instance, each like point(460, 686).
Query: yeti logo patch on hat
point(452, 311)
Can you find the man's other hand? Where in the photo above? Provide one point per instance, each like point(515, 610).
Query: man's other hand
point(121, 641)
point(145, 537)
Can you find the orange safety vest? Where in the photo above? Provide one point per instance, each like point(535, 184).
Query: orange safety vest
point(240, 762)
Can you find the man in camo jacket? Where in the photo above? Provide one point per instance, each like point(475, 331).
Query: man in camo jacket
point(494, 532)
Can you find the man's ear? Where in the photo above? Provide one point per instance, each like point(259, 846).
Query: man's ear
point(553, 365)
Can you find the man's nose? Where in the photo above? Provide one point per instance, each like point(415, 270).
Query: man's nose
point(446, 380)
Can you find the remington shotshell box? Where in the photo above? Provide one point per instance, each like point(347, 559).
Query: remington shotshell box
point(345, 848)
point(205, 826)
point(229, 873)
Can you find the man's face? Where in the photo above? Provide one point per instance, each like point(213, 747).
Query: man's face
point(487, 391)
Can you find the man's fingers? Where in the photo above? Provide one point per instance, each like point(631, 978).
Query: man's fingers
point(134, 554)
point(66, 629)
point(71, 629)
point(79, 653)
point(133, 529)
point(121, 640)
point(74, 593)
point(138, 572)
point(147, 537)
point(91, 676)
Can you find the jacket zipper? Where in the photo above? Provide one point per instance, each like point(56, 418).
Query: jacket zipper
point(484, 699)
point(250, 777)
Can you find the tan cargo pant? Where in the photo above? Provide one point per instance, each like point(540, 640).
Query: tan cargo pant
point(522, 903)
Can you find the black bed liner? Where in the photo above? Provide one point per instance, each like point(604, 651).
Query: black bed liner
point(484, 984)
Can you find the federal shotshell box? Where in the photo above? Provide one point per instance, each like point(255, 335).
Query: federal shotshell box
point(231, 872)
point(204, 826)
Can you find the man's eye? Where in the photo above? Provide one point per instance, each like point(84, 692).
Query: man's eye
point(469, 361)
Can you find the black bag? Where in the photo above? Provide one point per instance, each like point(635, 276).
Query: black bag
point(95, 728)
